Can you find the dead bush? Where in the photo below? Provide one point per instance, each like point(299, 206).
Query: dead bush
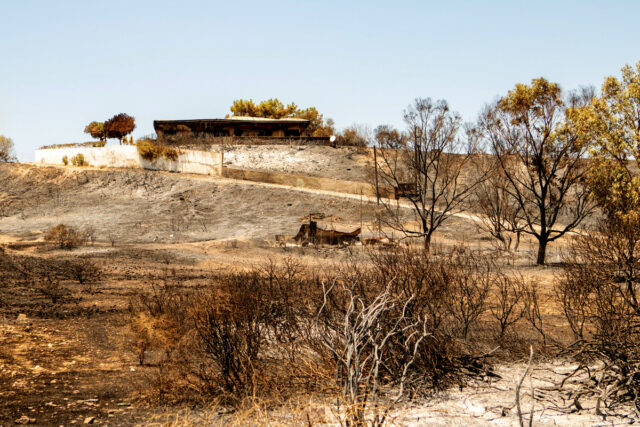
point(450, 294)
point(49, 285)
point(84, 271)
point(532, 302)
point(598, 291)
point(65, 237)
point(376, 333)
point(158, 320)
point(469, 277)
point(508, 298)
point(361, 339)
point(239, 336)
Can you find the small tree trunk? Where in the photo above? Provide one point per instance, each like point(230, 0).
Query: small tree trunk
point(427, 242)
point(542, 251)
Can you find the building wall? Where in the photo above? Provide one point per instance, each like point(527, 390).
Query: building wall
point(126, 156)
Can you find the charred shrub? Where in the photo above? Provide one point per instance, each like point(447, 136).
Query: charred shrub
point(598, 292)
point(65, 237)
point(239, 336)
point(85, 271)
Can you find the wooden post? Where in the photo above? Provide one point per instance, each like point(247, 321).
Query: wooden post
point(221, 162)
point(375, 167)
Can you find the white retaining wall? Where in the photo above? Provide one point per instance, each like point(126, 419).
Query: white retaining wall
point(126, 156)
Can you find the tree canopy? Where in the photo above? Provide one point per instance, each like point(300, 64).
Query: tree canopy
point(96, 130)
point(540, 156)
point(273, 108)
point(611, 124)
point(119, 126)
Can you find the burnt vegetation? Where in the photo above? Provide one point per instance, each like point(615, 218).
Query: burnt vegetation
point(404, 325)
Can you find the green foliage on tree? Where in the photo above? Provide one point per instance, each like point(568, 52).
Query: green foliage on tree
point(96, 130)
point(611, 123)
point(119, 126)
point(540, 154)
point(275, 109)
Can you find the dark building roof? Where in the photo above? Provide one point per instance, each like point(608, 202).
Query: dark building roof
point(239, 123)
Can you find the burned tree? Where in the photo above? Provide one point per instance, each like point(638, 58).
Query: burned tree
point(426, 165)
point(499, 211)
point(541, 158)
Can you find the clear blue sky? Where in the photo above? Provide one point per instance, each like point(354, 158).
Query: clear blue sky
point(66, 63)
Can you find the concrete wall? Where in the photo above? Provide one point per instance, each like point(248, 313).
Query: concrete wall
point(126, 156)
point(204, 163)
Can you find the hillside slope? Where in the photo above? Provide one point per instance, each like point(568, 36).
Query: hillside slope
point(145, 206)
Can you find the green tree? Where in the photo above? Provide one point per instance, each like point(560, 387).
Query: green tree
point(540, 154)
point(317, 125)
point(6, 149)
point(96, 130)
point(275, 109)
point(612, 124)
point(354, 135)
point(119, 126)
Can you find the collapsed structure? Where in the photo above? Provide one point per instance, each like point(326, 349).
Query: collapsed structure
point(311, 233)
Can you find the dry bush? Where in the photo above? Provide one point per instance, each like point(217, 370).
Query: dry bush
point(508, 308)
point(49, 285)
point(84, 271)
point(360, 335)
point(152, 150)
point(598, 291)
point(469, 277)
point(451, 293)
point(372, 334)
point(533, 302)
point(78, 160)
point(240, 336)
point(65, 237)
point(157, 321)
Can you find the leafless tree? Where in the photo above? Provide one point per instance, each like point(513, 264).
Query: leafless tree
point(427, 165)
point(499, 211)
point(541, 158)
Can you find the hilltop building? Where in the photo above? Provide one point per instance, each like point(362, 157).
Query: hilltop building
point(232, 127)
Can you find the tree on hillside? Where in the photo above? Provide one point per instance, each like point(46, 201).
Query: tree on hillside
point(6, 149)
point(426, 163)
point(354, 135)
point(275, 109)
point(119, 126)
point(612, 124)
point(96, 130)
point(539, 154)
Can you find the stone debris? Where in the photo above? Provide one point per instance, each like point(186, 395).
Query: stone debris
point(25, 420)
